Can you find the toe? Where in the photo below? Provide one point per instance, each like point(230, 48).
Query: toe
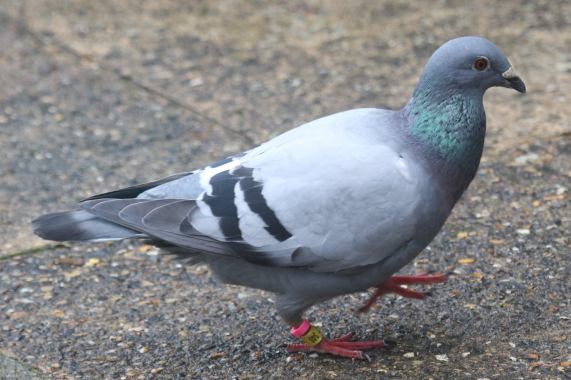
point(343, 338)
point(334, 349)
point(361, 345)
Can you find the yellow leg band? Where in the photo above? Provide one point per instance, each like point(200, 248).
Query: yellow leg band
point(313, 337)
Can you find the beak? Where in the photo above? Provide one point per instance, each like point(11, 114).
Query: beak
point(513, 80)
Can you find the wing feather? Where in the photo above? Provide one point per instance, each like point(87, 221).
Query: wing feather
point(331, 204)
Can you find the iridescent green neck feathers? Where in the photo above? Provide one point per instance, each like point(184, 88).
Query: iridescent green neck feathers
point(453, 126)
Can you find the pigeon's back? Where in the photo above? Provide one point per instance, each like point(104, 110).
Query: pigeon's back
point(338, 193)
point(344, 191)
point(351, 185)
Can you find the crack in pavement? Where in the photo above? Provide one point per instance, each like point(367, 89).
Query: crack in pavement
point(46, 38)
point(13, 369)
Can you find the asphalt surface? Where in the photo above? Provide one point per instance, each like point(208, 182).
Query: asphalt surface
point(95, 96)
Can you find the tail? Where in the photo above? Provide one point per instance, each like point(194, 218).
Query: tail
point(79, 225)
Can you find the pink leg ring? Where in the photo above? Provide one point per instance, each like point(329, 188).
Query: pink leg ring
point(300, 330)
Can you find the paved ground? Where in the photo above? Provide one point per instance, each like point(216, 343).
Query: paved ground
point(97, 95)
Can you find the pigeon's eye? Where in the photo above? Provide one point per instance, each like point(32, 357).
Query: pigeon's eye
point(481, 64)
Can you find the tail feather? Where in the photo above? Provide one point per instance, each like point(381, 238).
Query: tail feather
point(79, 225)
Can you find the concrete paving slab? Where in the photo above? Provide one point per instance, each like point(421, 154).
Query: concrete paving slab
point(97, 95)
point(12, 369)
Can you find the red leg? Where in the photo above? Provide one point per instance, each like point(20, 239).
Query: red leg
point(378, 292)
point(393, 285)
point(340, 346)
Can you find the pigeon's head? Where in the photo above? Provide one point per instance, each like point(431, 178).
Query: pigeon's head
point(470, 64)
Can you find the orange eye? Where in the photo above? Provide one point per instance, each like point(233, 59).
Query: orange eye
point(481, 64)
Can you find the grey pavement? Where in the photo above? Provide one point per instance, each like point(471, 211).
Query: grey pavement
point(97, 95)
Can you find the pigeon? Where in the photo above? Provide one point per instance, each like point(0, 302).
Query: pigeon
point(335, 206)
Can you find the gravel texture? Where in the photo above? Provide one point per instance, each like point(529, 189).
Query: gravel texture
point(97, 95)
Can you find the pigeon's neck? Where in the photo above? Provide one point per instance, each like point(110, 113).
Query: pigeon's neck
point(450, 129)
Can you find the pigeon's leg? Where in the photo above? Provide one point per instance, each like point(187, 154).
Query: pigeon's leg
point(314, 341)
point(394, 285)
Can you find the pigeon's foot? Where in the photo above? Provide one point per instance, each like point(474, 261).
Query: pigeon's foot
point(339, 347)
point(394, 285)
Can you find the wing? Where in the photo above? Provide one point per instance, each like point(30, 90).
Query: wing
point(351, 195)
point(331, 195)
